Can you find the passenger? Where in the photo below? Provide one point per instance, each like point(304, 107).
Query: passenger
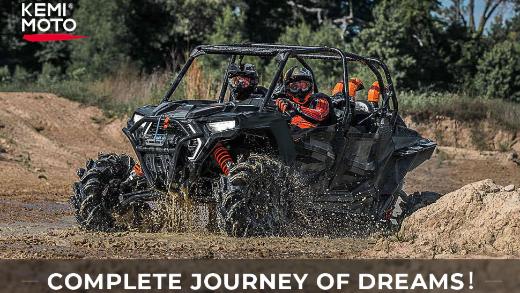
point(307, 109)
point(243, 80)
point(354, 85)
point(374, 94)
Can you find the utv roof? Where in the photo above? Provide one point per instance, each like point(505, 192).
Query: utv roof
point(282, 54)
point(254, 49)
point(300, 53)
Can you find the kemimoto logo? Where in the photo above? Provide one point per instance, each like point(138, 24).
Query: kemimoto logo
point(47, 22)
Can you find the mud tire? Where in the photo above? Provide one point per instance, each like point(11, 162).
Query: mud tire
point(97, 192)
point(253, 199)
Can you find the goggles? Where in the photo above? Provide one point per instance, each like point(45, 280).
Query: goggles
point(243, 81)
point(299, 86)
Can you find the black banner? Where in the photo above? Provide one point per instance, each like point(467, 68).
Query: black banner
point(261, 275)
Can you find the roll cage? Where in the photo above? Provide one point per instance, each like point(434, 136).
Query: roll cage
point(282, 53)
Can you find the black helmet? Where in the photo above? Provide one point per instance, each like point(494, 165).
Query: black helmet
point(242, 79)
point(299, 84)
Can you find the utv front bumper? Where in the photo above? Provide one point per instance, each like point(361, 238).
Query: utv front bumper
point(159, 150)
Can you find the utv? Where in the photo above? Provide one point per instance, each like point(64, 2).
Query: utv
point(247, 162)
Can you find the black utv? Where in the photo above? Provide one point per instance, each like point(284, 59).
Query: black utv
point(244, 159)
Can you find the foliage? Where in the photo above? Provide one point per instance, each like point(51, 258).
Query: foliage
point(499, 72)
point(229, 29)
point(326, 72)
point(21, 74)
point(107, 45)
point(428, 45)
point(5, 75)
point(405, 35)
point(49, 74)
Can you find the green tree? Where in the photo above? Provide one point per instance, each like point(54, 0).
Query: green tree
point(229, 27)
point(327, 34)
point(405, 35)
point(465, 40)
point(499, 72)
point(107, 46)
point(160, 32)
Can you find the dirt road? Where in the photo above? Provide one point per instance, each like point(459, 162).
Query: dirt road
point(43, 139)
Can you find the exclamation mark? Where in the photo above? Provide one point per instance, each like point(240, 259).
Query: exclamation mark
point(470, 281)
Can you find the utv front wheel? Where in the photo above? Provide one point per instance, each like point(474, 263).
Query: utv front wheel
point(252, 199)
point(97, 192)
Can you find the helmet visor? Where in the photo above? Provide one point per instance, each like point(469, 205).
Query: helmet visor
point(242, 81)
point(299, 86)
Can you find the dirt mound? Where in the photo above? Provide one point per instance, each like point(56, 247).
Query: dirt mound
point(44, 138)
point(479, 218)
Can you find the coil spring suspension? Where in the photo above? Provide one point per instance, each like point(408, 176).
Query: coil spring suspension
point(222, 157)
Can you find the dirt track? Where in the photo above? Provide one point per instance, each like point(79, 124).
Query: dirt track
point(43, 139)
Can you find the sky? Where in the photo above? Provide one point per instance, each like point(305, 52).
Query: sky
point(479, 7)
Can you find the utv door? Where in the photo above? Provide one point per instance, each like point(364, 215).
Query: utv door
point(362, 155)
point(315, 154)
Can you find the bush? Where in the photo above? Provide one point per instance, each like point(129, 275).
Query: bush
point(5, 75)
point(499, 72)
point(21, 74)
point(49, 74)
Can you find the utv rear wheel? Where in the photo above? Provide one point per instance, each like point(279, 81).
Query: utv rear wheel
point(253, 199)
point(97, 192)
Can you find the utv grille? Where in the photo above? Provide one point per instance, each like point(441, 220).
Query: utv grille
point(155, 134)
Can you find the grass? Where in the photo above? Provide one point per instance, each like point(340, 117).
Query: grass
point(121, 93)
point(425, 105)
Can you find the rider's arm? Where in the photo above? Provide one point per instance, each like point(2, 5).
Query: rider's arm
point(318, 113)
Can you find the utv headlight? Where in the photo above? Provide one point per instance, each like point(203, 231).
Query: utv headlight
point(220, 126)
point(137, 117)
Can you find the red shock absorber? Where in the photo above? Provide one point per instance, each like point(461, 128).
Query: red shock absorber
point(222, 157)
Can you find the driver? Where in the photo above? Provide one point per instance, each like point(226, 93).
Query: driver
point(243, 80)
point(307, 110)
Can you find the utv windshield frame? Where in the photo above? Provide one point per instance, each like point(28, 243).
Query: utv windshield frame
point(282, 53)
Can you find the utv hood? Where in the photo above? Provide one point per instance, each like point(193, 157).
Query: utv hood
point(194, 109)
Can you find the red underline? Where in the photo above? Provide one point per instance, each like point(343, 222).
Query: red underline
point(51, 37)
